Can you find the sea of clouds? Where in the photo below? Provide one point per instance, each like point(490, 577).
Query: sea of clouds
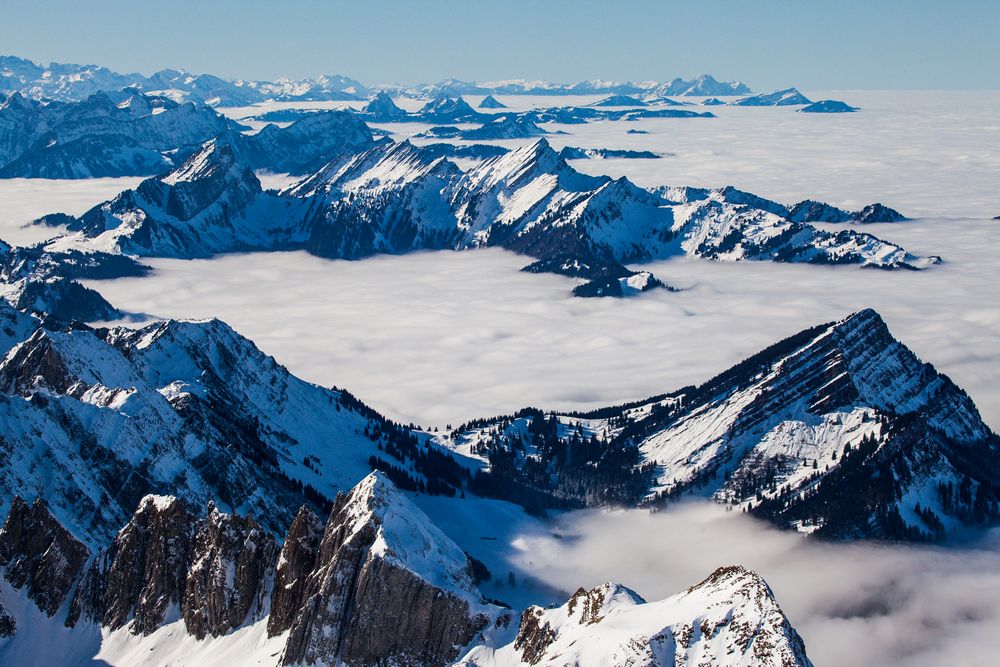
point(438, 338)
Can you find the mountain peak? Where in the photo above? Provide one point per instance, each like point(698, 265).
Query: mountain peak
point(729, 619)
point(215, 156)
point(406, 536)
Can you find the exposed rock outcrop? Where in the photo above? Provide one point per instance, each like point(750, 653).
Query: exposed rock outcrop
point(39, 555)
point(232, 567)
point(383, 565)
point(148, 565)
point(295, 563)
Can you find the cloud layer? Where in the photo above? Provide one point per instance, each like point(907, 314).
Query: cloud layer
point(443, 337)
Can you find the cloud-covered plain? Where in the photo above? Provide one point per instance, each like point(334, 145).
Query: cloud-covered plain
point(856, 605)
point(439, 338)
point(25, 199)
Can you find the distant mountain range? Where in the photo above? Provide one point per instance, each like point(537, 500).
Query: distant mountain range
point(395, 197)
point(69, 82)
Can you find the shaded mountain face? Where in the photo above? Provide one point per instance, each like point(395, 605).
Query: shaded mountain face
point(99, 137)
point(305, 145)
point(41, 282)
point(397, 197)
point(142, 135)
point(99, 418)
point(505, 127)
point(490, 102)
point(730, 618)
point(839, 430)
point(383, 564)
point(828, 106)
point(334, 589)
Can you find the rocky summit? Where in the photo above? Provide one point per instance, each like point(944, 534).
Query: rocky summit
point(333, 592)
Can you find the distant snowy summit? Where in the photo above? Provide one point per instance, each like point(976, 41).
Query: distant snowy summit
point(779, 98)
point(70, 82)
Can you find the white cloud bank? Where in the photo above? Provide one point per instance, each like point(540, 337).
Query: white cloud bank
point(443, 337)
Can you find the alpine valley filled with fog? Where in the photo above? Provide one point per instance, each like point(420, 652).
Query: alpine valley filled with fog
point(494, 373)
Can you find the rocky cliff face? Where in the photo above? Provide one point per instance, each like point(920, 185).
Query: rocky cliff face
point(381, 565)
point(231, 573)
point(39, 555)
point(296, 562)
point(148, 565)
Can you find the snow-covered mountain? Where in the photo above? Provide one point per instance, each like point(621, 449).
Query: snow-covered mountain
point(67, 82)
point(513, 126)
point(178, 584)
point(730, 618)
point(74, 82)
point(60, 81)
point(327, 87)
point(779, 98)
point(98, 136)
point(704, 85)
point(839, 430)
point(396, 197)
point(98, 418)
point(805, 211)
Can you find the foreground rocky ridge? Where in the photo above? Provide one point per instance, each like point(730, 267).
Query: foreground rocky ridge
point(379, 584)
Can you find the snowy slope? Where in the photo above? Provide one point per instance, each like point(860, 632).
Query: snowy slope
point(189, 408)
point(839, 429)
point(391, 197)
point(729, 619)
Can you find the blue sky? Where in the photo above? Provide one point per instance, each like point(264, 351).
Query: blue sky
point(817, 44)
